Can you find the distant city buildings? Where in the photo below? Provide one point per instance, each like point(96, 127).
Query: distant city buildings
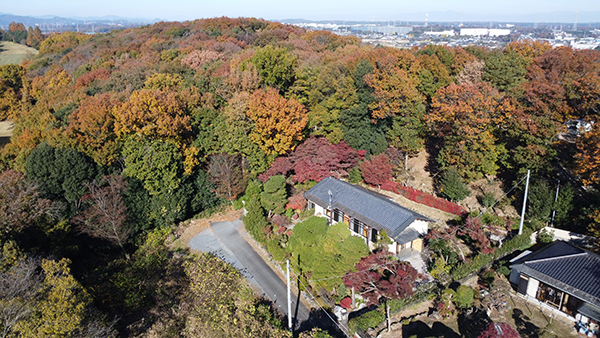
point(407, 35)
point(484, 32)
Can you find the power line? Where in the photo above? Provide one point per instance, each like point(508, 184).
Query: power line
point(505, 194)
point(352, 273)
point(319, 305)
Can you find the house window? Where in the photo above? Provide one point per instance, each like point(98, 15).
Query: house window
point(550, 295)
point(338, 216)
point(311, 205)
point(358, 227)
point(374, 234)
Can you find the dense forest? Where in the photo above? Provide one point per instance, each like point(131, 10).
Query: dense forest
point(120, 136)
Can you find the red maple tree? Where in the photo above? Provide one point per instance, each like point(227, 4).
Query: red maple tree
point(499, 330)
point(315, 159)
point(382, 275)
point(377, 170)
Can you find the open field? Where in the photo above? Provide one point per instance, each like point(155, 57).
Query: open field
point(14, 52)
point(6, 128)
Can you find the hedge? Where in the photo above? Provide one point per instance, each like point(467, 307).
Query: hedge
point(518, 242)
point(424, 198)
point(367, 320)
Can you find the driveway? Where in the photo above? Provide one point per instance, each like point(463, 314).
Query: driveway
point(225, 240)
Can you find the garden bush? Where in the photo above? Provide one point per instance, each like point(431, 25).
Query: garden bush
point(367, 320)
point(274, 247)
point(463, 298)
point(453, 186)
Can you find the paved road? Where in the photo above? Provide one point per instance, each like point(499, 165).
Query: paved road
point(225, 240)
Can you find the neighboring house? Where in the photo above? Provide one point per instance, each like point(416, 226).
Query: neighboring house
point(578, 127)
point(368, 213)
point(562, 277)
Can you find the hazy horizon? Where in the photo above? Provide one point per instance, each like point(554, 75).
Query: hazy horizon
point(349, 10)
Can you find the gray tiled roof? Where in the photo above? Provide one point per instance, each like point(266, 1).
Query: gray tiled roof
point(567, 268)
point(373, 209)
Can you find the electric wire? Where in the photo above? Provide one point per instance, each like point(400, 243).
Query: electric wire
point(316, 302)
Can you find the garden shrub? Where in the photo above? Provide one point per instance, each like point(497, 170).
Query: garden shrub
point(453, 186)
point(464, 297)
point(238, 204)
point(367, 320)
point(274, 247)
point(488, 199)
point(355, 175)
point(545, 236)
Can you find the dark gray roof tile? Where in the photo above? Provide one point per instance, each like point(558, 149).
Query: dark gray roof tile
point(373, 209)
point(566, 267)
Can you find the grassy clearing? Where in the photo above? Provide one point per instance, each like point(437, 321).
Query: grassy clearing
point(6, 129)
point(14, 53)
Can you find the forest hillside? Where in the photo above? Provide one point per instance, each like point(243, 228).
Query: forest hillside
point(118, 137)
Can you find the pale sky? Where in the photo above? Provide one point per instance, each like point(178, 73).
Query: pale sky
point(306, 9)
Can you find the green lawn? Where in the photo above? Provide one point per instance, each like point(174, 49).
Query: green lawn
point(14, 52)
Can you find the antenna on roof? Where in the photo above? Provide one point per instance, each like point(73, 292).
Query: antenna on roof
point(329, 207)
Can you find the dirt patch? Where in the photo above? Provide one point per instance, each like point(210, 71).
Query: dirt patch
point(417, 177)
point(490, 186)
point(189, 229)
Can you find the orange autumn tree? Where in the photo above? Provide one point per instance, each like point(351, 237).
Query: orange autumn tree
point(278, 122)
point(92, 126)
point(588, 157)
point(529, 48)
point(466, 115)
point(394, 82)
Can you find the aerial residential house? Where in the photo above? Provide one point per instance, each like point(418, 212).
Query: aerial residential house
point(367, 213)
point(561, 277)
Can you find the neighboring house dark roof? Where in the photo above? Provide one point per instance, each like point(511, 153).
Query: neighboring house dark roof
point(373, 209)
point(567, 268)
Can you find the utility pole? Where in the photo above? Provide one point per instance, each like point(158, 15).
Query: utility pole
point(554, 209)
point(289, 300)
point(389, 322)
point(524, 205)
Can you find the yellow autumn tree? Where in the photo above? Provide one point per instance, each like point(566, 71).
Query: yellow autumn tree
point(62, 309)
point(278, 122)
point(154, 114)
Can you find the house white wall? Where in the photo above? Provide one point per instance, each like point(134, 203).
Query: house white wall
point(320, 211)
point(420, 226)
point(532, 287)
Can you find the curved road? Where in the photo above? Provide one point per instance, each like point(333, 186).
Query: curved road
point(225, 240)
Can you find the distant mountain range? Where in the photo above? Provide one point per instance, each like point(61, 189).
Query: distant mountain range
point(56, 21)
